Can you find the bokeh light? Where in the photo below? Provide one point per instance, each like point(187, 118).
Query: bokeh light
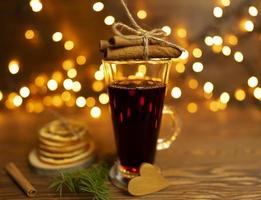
point(218, 12)
point(166, 29)
point(240, 94)
point(72, 73)
point(224, 97)
point(103, 98)
point(180, 67)
point(24, 92)
point(252, 81)
point(226, 50)
point(193, 83)
point(80, 101)
point(69, 45)
point(57, 36)
point(192, 107)
point(81, 60)
point(68, 84)
point(36, 5)
point(238, 56)
point(98, 6)
point(109, 20)
point(252, 10)
point(257, 93)
point(52, 84)
point(208, 87)
point(197, 67)
point(13, 67)
point(197, 53)
point(95, 112)
point(176, 92)
point(29, 34)
point(142, 14)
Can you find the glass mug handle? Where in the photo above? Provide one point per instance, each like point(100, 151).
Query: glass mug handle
point(164, 143)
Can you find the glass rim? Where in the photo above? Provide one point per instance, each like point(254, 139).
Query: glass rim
point(150, 61)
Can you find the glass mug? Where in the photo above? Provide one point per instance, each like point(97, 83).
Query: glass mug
point(136, 90)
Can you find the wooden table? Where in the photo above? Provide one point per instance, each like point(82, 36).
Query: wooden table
point(217, 156)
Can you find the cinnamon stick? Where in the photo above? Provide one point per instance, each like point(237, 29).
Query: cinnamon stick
point(137, 52)
point(118, 41)
point(20, 179)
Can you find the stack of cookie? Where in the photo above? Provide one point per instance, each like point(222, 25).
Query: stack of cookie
point(62, 144)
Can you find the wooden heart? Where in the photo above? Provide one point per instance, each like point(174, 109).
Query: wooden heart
point(149, 181)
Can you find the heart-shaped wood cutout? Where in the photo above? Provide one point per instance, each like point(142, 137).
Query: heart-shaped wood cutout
point(149, 181)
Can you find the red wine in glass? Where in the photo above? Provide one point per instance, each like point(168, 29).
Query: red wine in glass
point(136, 109)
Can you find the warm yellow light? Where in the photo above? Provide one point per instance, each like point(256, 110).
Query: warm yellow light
point(68, 84)
point(252, 81)
point(226, 50)
point(103, 98)
point(232, 39)
point(1, 95)
point(208, 87)
point(52, 84)
point(247, 25)
point(217, 40)
point(197, 53)
point(36, 5)
point(180, 67)
point(57, 101)
point(29, 34)
point(68, 45)
point(97, 86)
point(197, 67)
point(221, 106)
point(80, 102)
point(24, 92)
point(99, 75)
point(90, 102)
point(238, 56)
point(58, 76)
point(57, 36)
point(184, 55)
point(225, 2)
point(142, 14)
point(13, 67)
point(68, 64)
point(17, 101)
point(47, 100)
point(166, 29)
point(38, 107)
point(71, 102)
point(72, 73)
point(109, 20)
point(224, 97)
point(216, 48)
point(208, 41)
point(176, 92)
point(252, 10)
point(66, 96)
point(192, 107)
point(218, 12)
point(76, 86)
point(40, 81)
point(95, 112)
point(193, 84)
point(81, 60)
point(213, 106)
point(142, 69)
point(240, 94)
point(257, 93)
point(181, 32)
point(98, 6)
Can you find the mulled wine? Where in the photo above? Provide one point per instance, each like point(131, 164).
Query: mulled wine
point(136, 109)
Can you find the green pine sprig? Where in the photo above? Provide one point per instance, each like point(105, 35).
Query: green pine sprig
point(92, 180)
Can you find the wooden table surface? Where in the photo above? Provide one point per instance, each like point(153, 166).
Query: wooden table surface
point(217, 156)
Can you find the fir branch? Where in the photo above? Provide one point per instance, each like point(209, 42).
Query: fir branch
point(92, 180)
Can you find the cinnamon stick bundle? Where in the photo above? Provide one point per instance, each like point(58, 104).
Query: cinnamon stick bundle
point(137, 52)
point(20, 179)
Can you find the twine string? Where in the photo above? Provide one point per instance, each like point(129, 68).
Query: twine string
point(136, 32)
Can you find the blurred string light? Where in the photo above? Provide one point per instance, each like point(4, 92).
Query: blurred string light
point(246, 25)
point(240, 94)
point(29, 34)
point(252, 10)
point(68, 84)
point(98, 6)
point(224, 97)
point(109, 20)
point(180, 67)
point(181, 32)
point(1, 95)
point(69, 45)
point(90, 102)
point(81, 60)
point(103, 98)
point(166, 29)
point(252, 81)
point(95, 112)
point(80, 101)
point(208, 87)
point(57, 36)
point(197, 52)
point(76, 87)
point(176, 92)
point(142, 14)
point(192, 107)
point(36, 5)
point(226, 50)
point(193, 84)
point(225, 3)
point(72, 73)
point(13, 67)
point(52, 84)
point(17, 100)
point(24, 92)
point(238, 56)
point(99, 75)
point(197, 67)
point(257, 93)
point(218, 12)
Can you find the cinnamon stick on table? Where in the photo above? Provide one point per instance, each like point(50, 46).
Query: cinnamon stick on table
point(20, 179)
point(137, 52)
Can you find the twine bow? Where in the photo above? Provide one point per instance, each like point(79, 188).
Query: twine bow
point(136, 32)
